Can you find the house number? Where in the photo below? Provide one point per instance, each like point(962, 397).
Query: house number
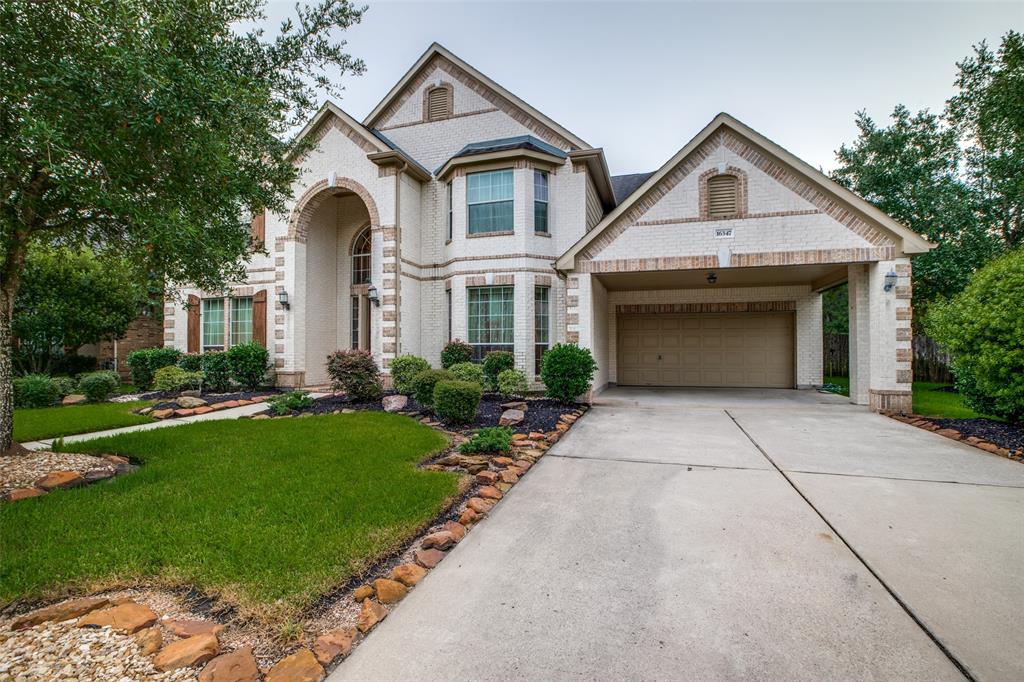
point(723, 233)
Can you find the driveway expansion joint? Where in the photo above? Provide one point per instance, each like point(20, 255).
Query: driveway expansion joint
point(900, 478)
point(656, 461)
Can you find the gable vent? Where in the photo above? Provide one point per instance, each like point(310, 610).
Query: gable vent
point(437, 104)
point(723, 197)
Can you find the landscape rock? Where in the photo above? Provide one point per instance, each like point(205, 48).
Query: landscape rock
point(191, 628)
point(457, 530)
point(333, 644)
point(97, 475)
point(301, 666)
point(73, 399)
point(522, 464)
point(24, 494)
point(503, 487)
point(489, 492)
point(480, 505)
point(389, 591)
point(408, 574)
point(183, 653)
point(129, 617)
point(149, 640)
point(67, 610)
point(161, 414)
point(468, 517)
point(511, 418)
point(509, 476)
point(371, 614)
point(487, 477)
point(502, 461)
point(362, 592)
point(60, 479)
point(516, 405)
point(190, 402)
point(191, 393)
point(237, 666)
point(439, 540)
point(537, 435)
point(428, 558)
point(394, 403)
point(184, 413)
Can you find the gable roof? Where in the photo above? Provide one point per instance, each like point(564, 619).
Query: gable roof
point(527, 142)
point(624, 185)
point(437, 50)
point(909, 241)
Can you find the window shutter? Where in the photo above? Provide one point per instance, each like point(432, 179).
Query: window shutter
point(259, 228)
point(259, 317)
point(194, 329)
point(722, 199)
point(437, 104)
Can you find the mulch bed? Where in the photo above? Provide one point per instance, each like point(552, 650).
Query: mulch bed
point(1009, 436)
point(167, 400)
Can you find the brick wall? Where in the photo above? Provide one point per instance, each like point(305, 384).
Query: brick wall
point(146, 331)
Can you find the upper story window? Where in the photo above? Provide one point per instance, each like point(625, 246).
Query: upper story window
point(438, 103)
point(361, 257)
point(450, 204)
point(723, 196)
point(540, 201)
point(489, 200)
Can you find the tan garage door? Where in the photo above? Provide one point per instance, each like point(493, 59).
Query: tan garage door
point(706, 349)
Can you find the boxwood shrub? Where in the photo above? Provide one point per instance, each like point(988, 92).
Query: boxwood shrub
point(35, 390)
point(455, 352)
point(354, 372)
point(567, 371)
point(144, 363)
point(424, 383)
point(175, 378)
point(512, 383)
point(216, 371)
point(468, 371)
point(98, 386)
point(457, 401)
point(191, 362)
point(248, 363)
point(404, 369)
point(496, 362)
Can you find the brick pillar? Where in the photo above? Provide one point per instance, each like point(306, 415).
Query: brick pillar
point(860, 334)
point(889, 389)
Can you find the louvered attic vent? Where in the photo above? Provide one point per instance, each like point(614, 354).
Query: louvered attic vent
point(437, 104)
point(723, 197)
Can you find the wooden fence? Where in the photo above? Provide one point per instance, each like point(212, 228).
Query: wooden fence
point(930, 362)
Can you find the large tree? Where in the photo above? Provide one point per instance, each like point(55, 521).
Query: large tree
point(150, 128)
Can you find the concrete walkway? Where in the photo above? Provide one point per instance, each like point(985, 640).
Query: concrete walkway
point(729, 535)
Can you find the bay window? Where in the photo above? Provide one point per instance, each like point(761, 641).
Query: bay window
point(540, 201)
point(489, 201)
point(491, 319)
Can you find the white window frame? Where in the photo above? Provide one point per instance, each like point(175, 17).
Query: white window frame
point(510, 173)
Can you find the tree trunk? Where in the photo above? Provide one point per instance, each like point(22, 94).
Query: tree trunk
point(6, 371)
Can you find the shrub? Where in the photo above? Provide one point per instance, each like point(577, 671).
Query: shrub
point(174, 378)
point(144, 363)
point(424, 382)
point(455, 352)
point(35, 390)
point(248, 363)
point(404, 369)
point(65, 386)
point(98, 386)
point(496, 362)
point(982, 328)
point(457, 401)
point(285, 403)
point(216, 371)
point(193, 362)
point(489, 439)
point(566, 371)
point(355, 373)
point(512, 383)
point(468, 371)
point(73, 364)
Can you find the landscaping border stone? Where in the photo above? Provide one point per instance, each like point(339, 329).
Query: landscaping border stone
point(929, 425)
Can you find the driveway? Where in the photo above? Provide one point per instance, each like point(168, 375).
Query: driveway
point(729, 534)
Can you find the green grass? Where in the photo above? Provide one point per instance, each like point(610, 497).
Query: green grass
point(268, 514)
point(51, 422)
point(928, 402)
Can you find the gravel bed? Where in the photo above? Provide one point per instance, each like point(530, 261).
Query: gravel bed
point(21, 471)
point(1009, 436)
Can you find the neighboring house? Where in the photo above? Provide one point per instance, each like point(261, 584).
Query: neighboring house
point(457, 211)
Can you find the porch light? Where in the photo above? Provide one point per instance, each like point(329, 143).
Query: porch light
point(890, 281)
point(371, 295)
point(282, 298)
point(712, 278)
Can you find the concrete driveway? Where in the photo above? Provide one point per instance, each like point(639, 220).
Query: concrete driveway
point(729, 535)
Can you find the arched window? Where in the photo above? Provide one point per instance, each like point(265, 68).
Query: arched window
point(361, 257)
point(723, 196)
point(438, 103)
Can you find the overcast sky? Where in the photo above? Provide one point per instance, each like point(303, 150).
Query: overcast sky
point(641, 78)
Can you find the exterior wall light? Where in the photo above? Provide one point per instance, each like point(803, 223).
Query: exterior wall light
point(890, 281)
point(712, 278)
point(371, 295)
point(282, 298)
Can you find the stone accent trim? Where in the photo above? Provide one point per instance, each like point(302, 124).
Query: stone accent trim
point(739, 260)
point(732, 307)
point(710, 219)
point(901, 402)
point(741, 191)
point(298, 225)
point(449, 276)
point(334, 123)
point(466, 259)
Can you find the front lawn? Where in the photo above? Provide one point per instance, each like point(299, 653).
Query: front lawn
point(269, 514)
point(52, 422)
point(928, 401)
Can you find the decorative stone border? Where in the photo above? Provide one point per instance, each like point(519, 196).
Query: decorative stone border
point(205, 408)
point(953, 434)
point(62, 480)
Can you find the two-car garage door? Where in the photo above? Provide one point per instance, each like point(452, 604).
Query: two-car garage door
point(706, 349)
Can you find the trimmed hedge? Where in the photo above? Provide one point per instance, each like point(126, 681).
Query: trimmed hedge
point(216, 371)
point(144, 363)
point(455, 352)
point(354, 372)
point(468, 371)
point(175, 378)
point(35, 390)
point(457, 401)
point(404, 369)
point(496, 362)
point(248, 363)
point(512, 383)
point(192, 362)
point(98, 386)
point(424, 383)
point(567, 371)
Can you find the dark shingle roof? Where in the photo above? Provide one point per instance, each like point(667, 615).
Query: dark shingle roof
point(504, 144)
point(624, 185)
point(391, 145)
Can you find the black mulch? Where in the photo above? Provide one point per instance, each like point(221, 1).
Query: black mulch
point(542, 414)
point(1009, 436)
point(167, 400)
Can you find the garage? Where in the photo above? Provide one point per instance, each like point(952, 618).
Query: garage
point(748, 350)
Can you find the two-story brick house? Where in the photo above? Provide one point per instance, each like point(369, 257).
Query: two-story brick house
point(456, 210)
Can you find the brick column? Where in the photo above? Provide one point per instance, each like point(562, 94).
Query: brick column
point(891, 355)
point(860, 334)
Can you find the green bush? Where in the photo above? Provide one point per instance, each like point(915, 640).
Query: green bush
point(457, 401)
point(35, 390)
point(65, 386)
point(512, 383)
point(98, 386)
point(423, 384)
point(567, 371)
point(248, 363)
point(144, 363)
point(174, 378)
point(285, 403)
point(981, 328)
point(468, 371)
point(489, 439)
point(455, 352)
point(355, 373)
point(404, 369)
point(216, 371)
point(496, 362)
point(193, 362)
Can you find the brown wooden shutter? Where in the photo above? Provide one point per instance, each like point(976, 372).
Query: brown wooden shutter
point(259, 317)
point(194, 329)
point(722, 196)
point(259, 228)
